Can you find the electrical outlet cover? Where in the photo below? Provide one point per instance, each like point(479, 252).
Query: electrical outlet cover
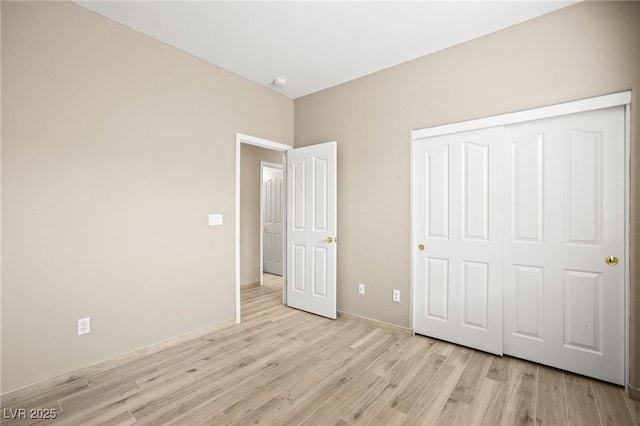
point(84, 326)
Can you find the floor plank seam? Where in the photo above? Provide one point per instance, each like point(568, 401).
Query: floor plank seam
point(535, 401)
point(566, 402)
point(283, 366)
point(595, 401)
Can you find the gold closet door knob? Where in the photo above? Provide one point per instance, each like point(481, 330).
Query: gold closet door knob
point(611, 260)
point(421, 247)
point(264, 228)
point(329, 240)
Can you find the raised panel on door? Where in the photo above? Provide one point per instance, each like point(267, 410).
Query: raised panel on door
point(475, 290)
point(298, 188)
point(583, 310)
point(299, 277)
point(436, 294)
point(527, 284)
point(564, 215)
point(311, 229)
point(458, 274)
point(475, 191)
point(320, 271)
point(583, 186)
point(527, 168)
point(436, 173)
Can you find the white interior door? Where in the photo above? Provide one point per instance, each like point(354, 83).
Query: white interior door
point(564, 305)
point(311, 228)
point(459, 239)
point(272, 223)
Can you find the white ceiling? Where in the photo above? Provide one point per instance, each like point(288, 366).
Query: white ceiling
point(316, 45)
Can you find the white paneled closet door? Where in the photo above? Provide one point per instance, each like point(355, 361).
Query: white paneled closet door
point(459, 240)
point(519, 231)
point(564, 304)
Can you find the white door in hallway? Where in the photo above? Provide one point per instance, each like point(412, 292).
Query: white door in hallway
point(564, 213)
point(272, 223)
point(311, 228)
point(458, 238)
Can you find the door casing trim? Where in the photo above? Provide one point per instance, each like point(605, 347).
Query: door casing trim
point(582, 105)
point(263, 143)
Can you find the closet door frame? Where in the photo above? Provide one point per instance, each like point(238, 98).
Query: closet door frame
point(583, 105)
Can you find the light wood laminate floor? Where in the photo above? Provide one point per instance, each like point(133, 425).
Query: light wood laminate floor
point(286, 367)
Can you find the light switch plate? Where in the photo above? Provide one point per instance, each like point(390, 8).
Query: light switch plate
point(215, 219)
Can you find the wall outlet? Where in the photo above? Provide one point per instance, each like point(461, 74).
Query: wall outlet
point(396, 295)
point(360, 288)
point(84, 326)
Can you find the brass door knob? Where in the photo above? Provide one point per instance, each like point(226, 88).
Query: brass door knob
point(611, 260)
point(329, 240)
point(421, 247)
point(264, 228)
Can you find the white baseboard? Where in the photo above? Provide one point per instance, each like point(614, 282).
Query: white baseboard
point(11, 397)
point(375, 323)
point(634, 392)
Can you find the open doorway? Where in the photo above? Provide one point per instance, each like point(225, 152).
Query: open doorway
point(254, 234)
point(309, 267)
point(250, 152)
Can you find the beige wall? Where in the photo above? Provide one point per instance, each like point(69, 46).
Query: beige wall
point(115, 147)
point(250, 209)
point(585, 50)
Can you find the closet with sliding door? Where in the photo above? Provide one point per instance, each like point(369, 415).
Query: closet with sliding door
point(519, 235)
